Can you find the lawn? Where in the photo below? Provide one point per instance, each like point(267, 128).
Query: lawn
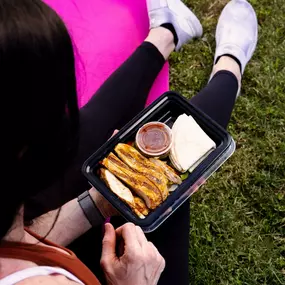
point(238, 218)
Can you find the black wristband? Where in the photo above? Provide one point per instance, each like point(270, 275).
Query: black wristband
point(90, 210)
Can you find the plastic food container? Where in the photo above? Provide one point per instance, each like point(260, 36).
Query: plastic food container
point(154, 139)
point(166, 110)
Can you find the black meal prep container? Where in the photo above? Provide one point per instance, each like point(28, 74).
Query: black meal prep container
point(166, 109)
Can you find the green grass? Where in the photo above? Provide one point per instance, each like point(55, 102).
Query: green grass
point(238, 218)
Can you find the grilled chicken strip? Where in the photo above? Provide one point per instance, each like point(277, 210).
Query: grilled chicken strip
point(168, 171)
point(143, 165)
point(138, 183)
point(124, 193)
point(141, 206)
point(117, 187)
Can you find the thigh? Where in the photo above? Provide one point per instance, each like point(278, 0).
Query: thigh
point(172, 241)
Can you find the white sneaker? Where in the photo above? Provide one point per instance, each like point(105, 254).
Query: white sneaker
point(185, 23)
point(237, 32)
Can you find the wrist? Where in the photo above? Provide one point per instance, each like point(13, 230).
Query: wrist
point(97, 199)
point(90, 209)
point(102, 204)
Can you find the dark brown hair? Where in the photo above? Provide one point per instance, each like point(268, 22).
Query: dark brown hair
point(39, 112)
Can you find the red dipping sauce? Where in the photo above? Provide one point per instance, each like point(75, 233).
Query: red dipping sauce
point(154, 139)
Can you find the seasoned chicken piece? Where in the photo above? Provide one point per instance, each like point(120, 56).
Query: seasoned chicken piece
point(117, 187)
point(124, 193)
point(138, 213)
point(143, 187)
point(144, 166)
point(168, 171)
point(141, 206)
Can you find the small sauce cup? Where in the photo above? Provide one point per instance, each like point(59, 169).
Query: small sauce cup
point(154, 139)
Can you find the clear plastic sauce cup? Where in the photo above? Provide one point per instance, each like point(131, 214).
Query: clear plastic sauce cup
point(154, 139)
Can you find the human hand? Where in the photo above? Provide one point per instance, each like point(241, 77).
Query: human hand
point(140, 262)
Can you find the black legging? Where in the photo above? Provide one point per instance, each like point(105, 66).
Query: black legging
point(119, 99)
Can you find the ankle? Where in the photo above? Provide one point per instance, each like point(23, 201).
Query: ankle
point(228, 63)
point(163, 39)
point(171, 28)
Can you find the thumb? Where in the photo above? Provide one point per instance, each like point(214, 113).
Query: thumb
point(109, 244)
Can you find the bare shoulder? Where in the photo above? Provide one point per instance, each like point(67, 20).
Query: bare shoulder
point(47, 280)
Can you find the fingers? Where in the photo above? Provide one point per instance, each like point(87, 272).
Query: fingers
point(129, 234)
point(139, 253)
point(109, 245)
point(141, 236)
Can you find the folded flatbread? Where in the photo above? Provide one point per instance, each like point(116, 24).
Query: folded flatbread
point(190, 144)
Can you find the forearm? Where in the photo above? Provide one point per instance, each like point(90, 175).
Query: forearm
point(70, 224)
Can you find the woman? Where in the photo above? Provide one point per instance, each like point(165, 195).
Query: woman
point(41, 136)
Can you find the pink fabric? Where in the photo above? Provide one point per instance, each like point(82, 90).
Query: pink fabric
point(105, 33)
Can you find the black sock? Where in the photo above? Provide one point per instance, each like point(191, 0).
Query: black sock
point(170, 27)
point(231, 56)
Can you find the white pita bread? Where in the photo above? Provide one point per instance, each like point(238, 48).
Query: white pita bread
point(190, 143)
